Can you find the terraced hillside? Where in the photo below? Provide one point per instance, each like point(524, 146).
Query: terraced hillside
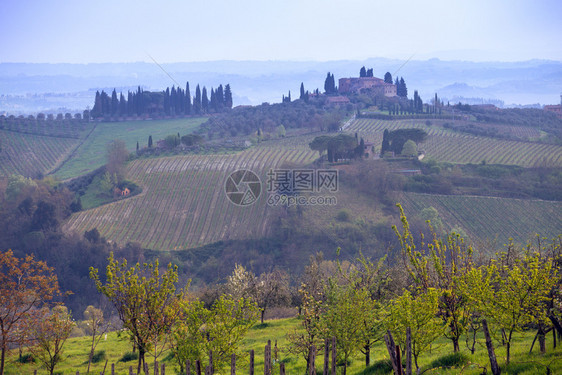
point(446, 145)
point(491, 218)
point(32, 155)
point(183, 203)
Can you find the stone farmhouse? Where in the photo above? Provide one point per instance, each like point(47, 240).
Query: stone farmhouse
point(358, 84)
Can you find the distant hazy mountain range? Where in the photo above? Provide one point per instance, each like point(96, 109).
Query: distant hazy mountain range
point(27, 88)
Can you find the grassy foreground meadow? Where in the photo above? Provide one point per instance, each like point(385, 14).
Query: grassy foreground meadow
point(435, 361)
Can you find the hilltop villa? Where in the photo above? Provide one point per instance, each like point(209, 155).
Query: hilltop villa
point(358, 84)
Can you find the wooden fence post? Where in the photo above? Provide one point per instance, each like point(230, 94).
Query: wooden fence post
point(211, 369)
point(312, 361)
point(267, 359)
point(145, 369)
point(233, 364)
point(252, 362)
point(281, 368)
point(490, 346)
point(198, 366)
point(130, 370)
point(155, 367)
point(187, 367)
point(113, 369)
point(326, 356)
point(333, 372)
point(408, 351)
point(163, 372)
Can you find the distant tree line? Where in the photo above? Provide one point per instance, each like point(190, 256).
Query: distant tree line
point(268, 117)
point(170, 102)
point(64, 126)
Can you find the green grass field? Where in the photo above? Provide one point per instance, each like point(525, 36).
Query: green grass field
point(522, 362)
point(491, 219)
point(92, 153)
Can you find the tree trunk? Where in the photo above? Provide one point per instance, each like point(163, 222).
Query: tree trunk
point(542, 341)
point(456, 347)
point(141, 360)
point(489, 345)
point(408, 351)
point(391, 347)
point(262, 315)
point(367, 353)
point(2, 360)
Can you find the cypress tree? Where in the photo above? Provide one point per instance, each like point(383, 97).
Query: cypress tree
point(197, 101)
point(403, 88)
point(114, 103)
point(227, 96)
point(204, 100)
point(362, 72)
point(369, 72)
point(385, 142)
point(302, 93)
point(187, 99)
point(167, 101)
point(149, 141)
point(219, 97)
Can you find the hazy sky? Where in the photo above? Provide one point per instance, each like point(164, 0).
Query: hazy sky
point(77, 31)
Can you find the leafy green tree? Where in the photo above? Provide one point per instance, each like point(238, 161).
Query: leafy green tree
point(438, 265)
point(172, 141)
point(410, 148)
point(219, 330)
point(117, 156)
point(18, 184)
point(419, 313)
point(348, 316)
point(281, 132)
point(50, 334)
point(511, 296)
point(96, 326)
point(147, 303)
point(267, 290)
point(312, 330)
point(106, 183)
